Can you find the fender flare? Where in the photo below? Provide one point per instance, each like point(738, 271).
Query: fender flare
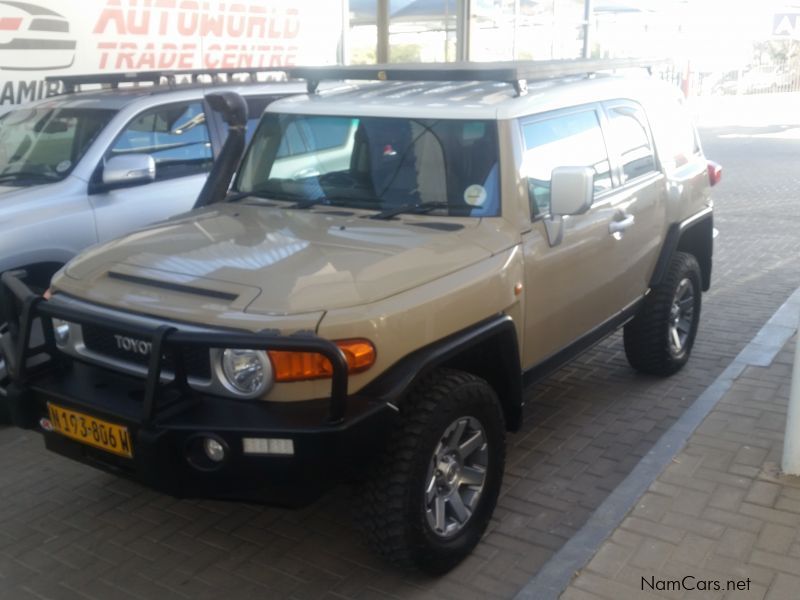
point(695, 235)
point(488, 349)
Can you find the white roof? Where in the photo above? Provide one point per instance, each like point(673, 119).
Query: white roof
point(467, 100)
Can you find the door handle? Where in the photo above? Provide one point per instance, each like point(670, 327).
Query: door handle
point(621, 225)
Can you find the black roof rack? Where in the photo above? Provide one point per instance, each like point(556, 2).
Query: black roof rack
point(516, 73)
point(71, 83)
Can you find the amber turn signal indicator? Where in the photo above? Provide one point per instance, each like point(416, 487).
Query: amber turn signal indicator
point(299, 366)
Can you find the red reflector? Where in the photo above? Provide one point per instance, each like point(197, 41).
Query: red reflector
point(10, 24)
point(714, 172)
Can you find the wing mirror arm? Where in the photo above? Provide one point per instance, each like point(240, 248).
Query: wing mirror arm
point(554, 226)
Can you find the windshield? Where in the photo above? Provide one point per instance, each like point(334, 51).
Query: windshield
point(375, 162)
point(45, 143)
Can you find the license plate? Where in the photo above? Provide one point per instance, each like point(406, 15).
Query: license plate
point(91, 430)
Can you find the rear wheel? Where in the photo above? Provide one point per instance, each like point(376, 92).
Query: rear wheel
point(431, 494)
point(659, 340)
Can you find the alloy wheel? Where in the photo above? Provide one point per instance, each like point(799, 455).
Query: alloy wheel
point(456, 476)
point(681, 317)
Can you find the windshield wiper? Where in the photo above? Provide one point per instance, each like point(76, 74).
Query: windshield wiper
point(417, 207)
point(29, 175)
point(302, 203)
point(343, 201)
point(309, 202)
point(264, 195)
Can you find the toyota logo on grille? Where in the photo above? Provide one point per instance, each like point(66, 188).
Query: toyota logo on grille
point(130, 344)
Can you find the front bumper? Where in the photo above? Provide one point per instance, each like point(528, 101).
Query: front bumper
point(162, 451)
point(332, 439)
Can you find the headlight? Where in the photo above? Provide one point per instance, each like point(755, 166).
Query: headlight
point(247, 373)
point(61, 332)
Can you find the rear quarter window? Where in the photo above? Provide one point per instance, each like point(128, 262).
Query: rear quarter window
point(675, 134)
point(629, 132)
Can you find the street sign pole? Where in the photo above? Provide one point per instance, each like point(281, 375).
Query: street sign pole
point(791, 440)
point(587, 28)
point(382, 26)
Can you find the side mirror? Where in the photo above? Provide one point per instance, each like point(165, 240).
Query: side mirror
point(571, 193)
point(571, 190)
point(129, 169)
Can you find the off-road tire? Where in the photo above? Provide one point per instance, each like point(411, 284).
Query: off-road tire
point(390, 504)
point(647, 336)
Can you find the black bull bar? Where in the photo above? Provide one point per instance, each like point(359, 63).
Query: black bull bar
point(22, 307)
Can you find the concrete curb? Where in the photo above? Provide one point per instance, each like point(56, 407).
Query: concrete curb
point(554, 577)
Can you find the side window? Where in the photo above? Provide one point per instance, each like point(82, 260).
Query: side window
point(631, 136)
point(255, 109)
point(572, 140)
point(176, 136)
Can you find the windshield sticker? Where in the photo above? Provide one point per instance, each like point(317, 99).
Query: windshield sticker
point(64, 165)
point(475, 195)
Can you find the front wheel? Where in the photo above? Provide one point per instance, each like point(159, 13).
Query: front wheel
point(432, 493)
point(659, 340)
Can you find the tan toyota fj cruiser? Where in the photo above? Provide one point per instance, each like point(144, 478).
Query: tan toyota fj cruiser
point(394, 261)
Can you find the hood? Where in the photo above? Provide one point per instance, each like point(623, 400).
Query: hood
point(8, 189)
point(280, 261)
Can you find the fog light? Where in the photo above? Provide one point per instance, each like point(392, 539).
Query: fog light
point(284, 447)
point(207, 452)
point(61, 331)
point(214, 450)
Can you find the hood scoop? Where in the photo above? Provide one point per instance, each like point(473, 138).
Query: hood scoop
point(174, 287)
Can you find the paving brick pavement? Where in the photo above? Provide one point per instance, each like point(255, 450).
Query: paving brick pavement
point(67, 531)
point(721, 512)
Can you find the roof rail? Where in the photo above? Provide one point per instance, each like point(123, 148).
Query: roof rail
point(72, 83)
point(516, 73)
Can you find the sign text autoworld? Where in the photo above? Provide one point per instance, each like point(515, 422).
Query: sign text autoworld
point(236, 35)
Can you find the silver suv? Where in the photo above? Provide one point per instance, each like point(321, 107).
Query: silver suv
point(86, 167)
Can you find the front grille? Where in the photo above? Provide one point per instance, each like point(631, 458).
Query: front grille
point(101, 340)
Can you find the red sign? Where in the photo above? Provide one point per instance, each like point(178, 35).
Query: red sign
point(234, 35)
